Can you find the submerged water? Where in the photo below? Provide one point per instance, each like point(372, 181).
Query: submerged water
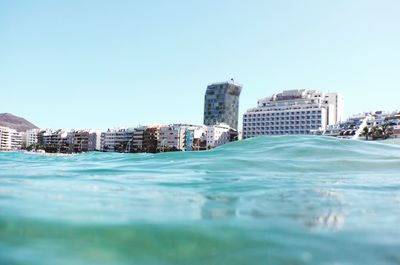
point(266, 200)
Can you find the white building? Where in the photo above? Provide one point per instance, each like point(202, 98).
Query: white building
point(293, 112)
point(136, 143)
point(5, 138)
point(107, 140)
point(116, 140)
point(218, 135)
point(30, 138)
point(94, 140)
point(172, 137)
point(10, 139)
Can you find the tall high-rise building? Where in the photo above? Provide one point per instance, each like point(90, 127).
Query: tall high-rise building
point(221, 104)
point(293, 112)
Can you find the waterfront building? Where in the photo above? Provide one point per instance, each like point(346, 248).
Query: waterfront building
point(122, 137)
point(135, 144)
point(84, 141)
point(30, 138)
point(151, 135)
point(172, 137)
point(221, 104)
point(195, 138)
point(393, 123)
point(94, 140)
point(367, 126)
point(10, 139)
point(79, 141)
point(353, 127)
point(5, 139)
point(218, 134)
point(54, 141)
point(116, 140)
point(16, 140)
point(293, 112)
point(107, 141)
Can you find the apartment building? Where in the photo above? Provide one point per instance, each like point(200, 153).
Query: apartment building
point(150, 139)
point(173, 137)
point(10, 139)
point(116, 140)
point(5, 138)
point(196, 138)
point(84, 140)
point(218, 134)
point(53, 141)
point(30, 138)
point(135, 144)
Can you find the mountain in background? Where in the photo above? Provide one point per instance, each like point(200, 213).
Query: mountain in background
point(15, 122)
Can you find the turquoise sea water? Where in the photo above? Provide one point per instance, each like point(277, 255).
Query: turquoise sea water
point(266, 200)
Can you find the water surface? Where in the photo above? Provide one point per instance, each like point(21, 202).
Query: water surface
point(266, 200)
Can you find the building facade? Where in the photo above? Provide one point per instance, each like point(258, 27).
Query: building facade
point(217, 135)
point(30, 138)
point(54, 141)
point(293, 112)
point(10, 139)
point(135, 144)
point(196, 138)
point(84, 141)
point(5, 138)
point(116, 140)
point(150, 139)
point(172, 137)
point(221, 104)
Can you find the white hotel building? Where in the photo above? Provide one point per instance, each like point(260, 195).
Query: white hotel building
point(293, 112)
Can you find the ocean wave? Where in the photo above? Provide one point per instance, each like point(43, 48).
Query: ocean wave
point(278, 200)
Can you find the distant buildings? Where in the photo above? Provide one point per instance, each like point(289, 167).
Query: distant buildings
point(166, 138)
point(293, 112)
point(288, 112)
point(67, 141)
point(367, 126)
point(221, 104)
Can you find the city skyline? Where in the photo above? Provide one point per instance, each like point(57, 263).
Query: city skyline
point(97, 65)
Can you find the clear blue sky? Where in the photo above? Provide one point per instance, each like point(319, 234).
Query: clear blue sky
point(103, 64)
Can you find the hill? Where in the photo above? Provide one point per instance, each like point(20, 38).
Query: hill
point(15, 122)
